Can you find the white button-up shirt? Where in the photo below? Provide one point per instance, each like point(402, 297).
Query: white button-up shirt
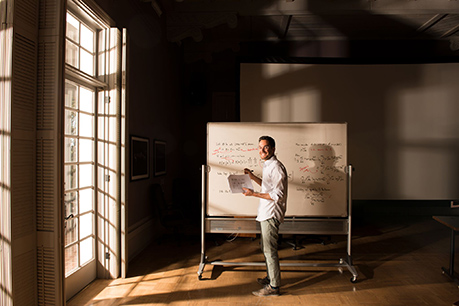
point(275, 183)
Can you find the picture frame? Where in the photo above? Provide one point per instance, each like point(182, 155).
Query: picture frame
point(140, 158)
point(160, 157)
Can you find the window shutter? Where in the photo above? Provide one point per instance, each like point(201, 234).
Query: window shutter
point(109, 162)
point(6, 41)
point(20, 207)
point(124, 160)
point(49, 194)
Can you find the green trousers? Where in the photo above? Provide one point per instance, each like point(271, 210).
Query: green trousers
point(269, 238)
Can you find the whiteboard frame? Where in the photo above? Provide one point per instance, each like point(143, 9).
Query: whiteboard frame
point(229, 149)
point(291, 225)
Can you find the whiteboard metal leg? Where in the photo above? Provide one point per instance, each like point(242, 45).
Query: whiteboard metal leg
point(202, 264)
point(343, 262)
point(203, 223)
point(348, 261)
point(349, 205)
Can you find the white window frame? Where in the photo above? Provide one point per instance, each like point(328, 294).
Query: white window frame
point(109, 194)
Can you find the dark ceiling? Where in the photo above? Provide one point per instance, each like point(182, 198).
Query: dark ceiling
point(228, 23)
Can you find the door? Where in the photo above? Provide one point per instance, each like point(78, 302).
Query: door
point(79, 180)
point(92, 148)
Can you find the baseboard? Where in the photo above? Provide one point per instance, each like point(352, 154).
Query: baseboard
point(140, 235)
point(393, 208)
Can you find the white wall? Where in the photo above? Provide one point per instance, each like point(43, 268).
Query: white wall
point(403, 126)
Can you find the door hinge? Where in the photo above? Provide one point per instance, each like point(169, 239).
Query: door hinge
point(107, 99)
point(107, 255)
point(107, 178)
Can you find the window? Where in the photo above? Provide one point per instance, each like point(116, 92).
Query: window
point(79, 45)
point(92, 170)
point(79, 162)
point(93, 122)
point(83, 89)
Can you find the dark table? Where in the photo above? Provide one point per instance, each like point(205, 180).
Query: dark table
point(453, 223)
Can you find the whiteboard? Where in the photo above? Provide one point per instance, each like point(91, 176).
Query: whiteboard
point(314, 154)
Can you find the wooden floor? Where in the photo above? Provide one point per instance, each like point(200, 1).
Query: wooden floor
point(399, 263)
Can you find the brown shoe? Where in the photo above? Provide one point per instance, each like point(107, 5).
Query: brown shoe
point(263, 281)
point(266, 291)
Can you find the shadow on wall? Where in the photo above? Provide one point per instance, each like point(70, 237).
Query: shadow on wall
point(403, 138)
point(365, 97)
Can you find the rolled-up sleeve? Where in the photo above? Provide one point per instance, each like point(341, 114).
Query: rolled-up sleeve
point(279, 191)
point(274, 183)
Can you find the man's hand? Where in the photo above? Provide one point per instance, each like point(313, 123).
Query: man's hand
point(251, 193)
point(247, 192)
point(252, 176)
point(249, 172)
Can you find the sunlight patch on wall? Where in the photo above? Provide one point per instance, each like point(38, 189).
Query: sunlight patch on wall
point(422, 173)
point(428, 113)
point(299, 106)
point(269, 71)
point(423, 135)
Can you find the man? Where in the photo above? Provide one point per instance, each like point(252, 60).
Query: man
point(271, 211)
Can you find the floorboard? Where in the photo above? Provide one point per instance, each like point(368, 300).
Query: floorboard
point(399, 263)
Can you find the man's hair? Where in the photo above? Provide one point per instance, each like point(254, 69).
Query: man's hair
point(269, 139)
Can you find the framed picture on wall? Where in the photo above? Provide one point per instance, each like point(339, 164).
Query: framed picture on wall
point(140, 158)
point(160, 157)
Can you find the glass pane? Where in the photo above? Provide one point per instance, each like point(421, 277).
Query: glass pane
point(71, 230)
point(71, 259)
point(112, 185)
point(72, 28)
point(100, 178)
point(70, 176)
point(86, 150)
point(101, 198)
point(71, 95)
point(100, 152)
point(71, 225)
point(71, 206)
point(71, 122)
point(101, 128)
point(86, 100)
point(112, 56)
point(87, 62)
point(87, 38)
point(101, 64)
point(70, 150)
point(86, 200)
point(112, 129)
point(86, 125)
point(112, 161)
point(71, 54)
point(101, 102)
point(101, 39)
point(112, 108)
point(86, 176)
point(87, 250)
point(86, 225)
point(101, 52)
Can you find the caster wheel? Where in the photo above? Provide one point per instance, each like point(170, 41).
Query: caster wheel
point(353, 279)
point(200, 277)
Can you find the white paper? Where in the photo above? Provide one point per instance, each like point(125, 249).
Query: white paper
point(236, 182)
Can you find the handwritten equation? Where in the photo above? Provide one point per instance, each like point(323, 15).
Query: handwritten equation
point(314, 169)
point(319, 168)
point(237, 153)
